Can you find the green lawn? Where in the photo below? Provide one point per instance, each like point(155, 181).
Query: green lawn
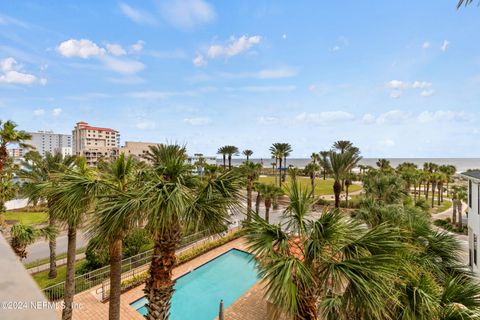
point(322, 187)
point(445, 205)
point(42, 277)
point(60, 256)
point(28, 218)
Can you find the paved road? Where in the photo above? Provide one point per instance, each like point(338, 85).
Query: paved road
point(40, 250)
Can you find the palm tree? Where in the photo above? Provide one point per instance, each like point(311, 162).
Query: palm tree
point(247, 153)
point(312, 266)
point(449, 171)
point(429, 168)
point(24, 235)
point(455, 191)
point(9, 135)
point(434, 177)
point(384, 164)
point(111, 223)
point(280, 151)
point(462, 196)
point(311, 170)
point(342, 145)
point(73, 198)
point(341, 164)
point(324, 163)
point(223, 151)
point(38, 174)
point(269, 193)
point(251, 172)
point(8, 188)
point(229, 151)
point(171, 199)
point(315, 157)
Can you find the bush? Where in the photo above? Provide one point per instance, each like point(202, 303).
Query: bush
point(134, 242)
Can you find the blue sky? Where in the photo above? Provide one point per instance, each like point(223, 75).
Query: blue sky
point(398, 78)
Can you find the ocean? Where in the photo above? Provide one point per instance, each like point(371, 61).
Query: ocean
point(462, 164)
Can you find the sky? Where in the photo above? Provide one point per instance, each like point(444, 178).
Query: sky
point(398, 78)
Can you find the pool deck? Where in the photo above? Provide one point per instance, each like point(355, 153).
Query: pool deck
point(250, 306)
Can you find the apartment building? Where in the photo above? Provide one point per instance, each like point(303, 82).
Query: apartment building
point(48, 141)
point(473, 218)
point(95, 143)
point(136, 149)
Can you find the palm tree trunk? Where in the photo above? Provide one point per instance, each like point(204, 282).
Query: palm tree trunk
point(427, 190)
point(280, 173)
point(115, 279)
point(224, 161)
point(312, 181)
point(229, 162)
point(433, 194)
point(70, 277)
point(459, 209)
point(308, 309)
point(159, 286)
point(414, 193)
point(257, 203)
point(52, 246)
point(439, 196)
point(454, 212)
point(324, 174)
point(337, 189)
point(268, 204)
point(249, 199)
point(346, 195)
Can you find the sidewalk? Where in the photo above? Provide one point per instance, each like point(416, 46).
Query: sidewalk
point(60, 262)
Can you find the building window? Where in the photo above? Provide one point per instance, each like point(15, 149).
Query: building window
point(470, 193)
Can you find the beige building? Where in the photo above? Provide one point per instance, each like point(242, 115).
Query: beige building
point(136, 149)
point(95, 143)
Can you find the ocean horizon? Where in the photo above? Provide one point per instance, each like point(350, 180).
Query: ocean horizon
point(461, 164)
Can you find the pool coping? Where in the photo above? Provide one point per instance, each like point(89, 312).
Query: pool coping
point(206, 262)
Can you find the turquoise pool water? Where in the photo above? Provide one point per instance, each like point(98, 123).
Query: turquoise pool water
point(198, 293)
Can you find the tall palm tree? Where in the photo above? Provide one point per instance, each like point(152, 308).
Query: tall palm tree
point(112, 223)
point(281, 151)
point(38, 174)
point(462, 196)
point(171, 199)
point(341, 164)
point(434, 177)
point(223, 151)
point(454, 192)
point(73, 197)
point(269, 193)
point(229, 152)
point(311, 171)
point(429, 168)
point(342, 145)
point(315, 157)
point(24, 235)
point(251, 172)
point(10, 135)
point(247, 153)
point(383, 164)
point(449, 171)
point(8, 188)
point(311, 266)
point(324, 163)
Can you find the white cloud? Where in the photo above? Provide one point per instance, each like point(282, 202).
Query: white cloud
point(199, 61)
point(136, 15)
point(284, 36)
point(234, 47)
point(392, 117)
point(396, 94)
point(285, 72)
point(325, 118)
point(39, 112)
point(341, 42)
point(150, 94)
point(82, 48)
point(115, 49)
point(11, 72)
point(199, 121)
point(186, 14)
point(397, 85)
point(427, 93)
point(438, 116)
point(56, 112)
point(421, 85)
point(445, 45)
point(145, 124)
point(125, 66)
point(426, 45)
point(137, 46)
point(268, 120)
point(368, 118)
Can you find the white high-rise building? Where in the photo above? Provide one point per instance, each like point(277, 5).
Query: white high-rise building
point(473, 219)
point(47, 141)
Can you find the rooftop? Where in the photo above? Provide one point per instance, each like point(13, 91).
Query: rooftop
point(475, 174)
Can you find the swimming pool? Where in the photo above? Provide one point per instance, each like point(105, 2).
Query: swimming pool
point(198, 293)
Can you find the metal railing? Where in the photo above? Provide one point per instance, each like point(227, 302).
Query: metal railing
point(131, 267)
